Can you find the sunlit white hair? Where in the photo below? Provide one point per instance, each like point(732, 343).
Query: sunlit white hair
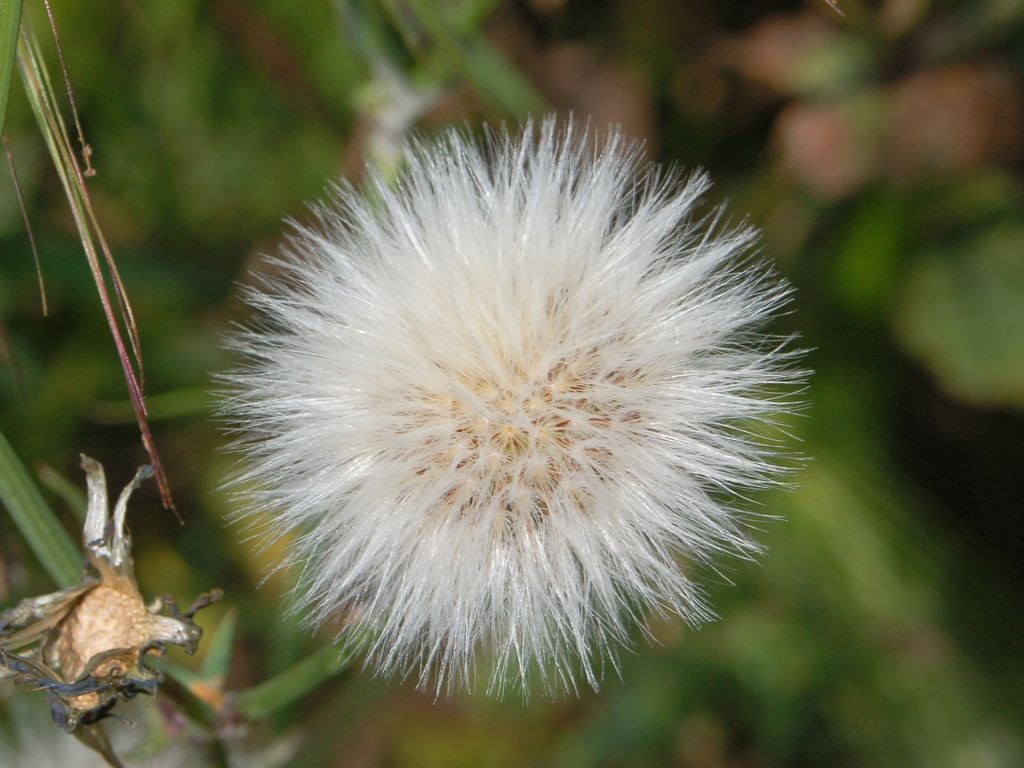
point(500, 404)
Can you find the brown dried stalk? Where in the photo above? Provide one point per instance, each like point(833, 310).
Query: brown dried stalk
point(101, 260)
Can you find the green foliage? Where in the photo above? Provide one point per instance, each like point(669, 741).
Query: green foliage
point(10, 20)
point(291, 685)
point(42, 531)
point(963, 316)
point(882, 627)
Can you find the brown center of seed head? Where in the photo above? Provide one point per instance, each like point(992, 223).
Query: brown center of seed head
point(526, 440)
point(110, 616)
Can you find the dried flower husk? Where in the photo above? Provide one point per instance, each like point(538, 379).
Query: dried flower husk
point(86, 645)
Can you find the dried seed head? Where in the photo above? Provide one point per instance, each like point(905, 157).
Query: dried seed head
point(86, 644)
point(497, 403)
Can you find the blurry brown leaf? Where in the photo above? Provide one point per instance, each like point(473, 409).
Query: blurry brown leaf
point(700, 90)
point(773, 52)
point(577, 78)
point(824, 148)
point(953, 120)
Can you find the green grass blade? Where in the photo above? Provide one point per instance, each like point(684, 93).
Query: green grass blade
point(220, 649)
point(468, 54)
point(471, 15)
point(73, 495)
point(449, 47)
point(37, 523)
point(289, 686)
point(43, 101)
point(500, 82)
point(10, 20)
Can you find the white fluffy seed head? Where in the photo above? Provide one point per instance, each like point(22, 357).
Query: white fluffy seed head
point(501, 405)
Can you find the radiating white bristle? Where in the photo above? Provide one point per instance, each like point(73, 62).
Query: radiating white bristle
point(498, 404)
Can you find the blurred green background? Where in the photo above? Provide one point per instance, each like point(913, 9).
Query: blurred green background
point(881, 154)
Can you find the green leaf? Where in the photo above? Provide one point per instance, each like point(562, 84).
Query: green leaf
point(291, 685)
point(466, 53)
point(219, 650)
point(10, 20)
point(962, 315)
point(500, 82)
point(37, 523)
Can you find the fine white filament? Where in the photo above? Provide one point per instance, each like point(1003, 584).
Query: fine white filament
point(500, 405)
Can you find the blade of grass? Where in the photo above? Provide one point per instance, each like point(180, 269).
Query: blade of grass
point(119, 291)
point(10, 20)
point(37, 523)
point(71, 494)
point(362, 30)
point(28, 223)
point(497, 79)
point(464, 53)
point(44, 105)
point(220, 649)
point(86, 149)
point(471, 15)
point(292, 684)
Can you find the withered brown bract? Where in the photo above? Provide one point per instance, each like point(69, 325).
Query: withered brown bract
point(86, 645)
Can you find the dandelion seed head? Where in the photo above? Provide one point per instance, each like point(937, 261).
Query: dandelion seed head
point(499, 403)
